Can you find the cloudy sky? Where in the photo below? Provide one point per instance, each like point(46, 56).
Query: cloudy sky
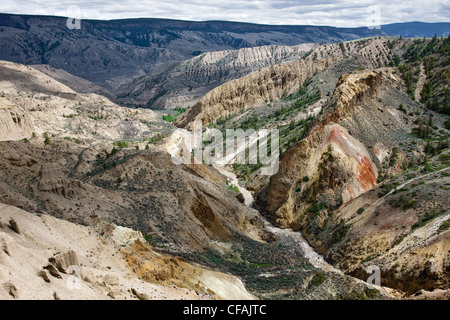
point(341, 13)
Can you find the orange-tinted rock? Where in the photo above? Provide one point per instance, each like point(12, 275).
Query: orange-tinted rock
point(367, 174)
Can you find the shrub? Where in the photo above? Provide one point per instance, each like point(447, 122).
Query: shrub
point(317, 279)
point(168, 117)
point(445, 225)
point(233, 188)
point(371, 293)
point(46, 138)
point(317, 207)
point(148, 237)
point(121, 144)
point(339, 234)
point(409, 203)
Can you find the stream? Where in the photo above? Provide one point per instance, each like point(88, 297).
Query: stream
point(288, 237)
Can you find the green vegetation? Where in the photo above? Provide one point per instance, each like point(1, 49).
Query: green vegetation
point(317, 279)
point(291, 276)
point(148, 237)
point(317, 207)
point(427, 218)
point(293, 103)
point(365, 294)
point(433, 54)
point(170, 117)
point(290, 132)
point(447, 124)
point(409, 203)
point(156, 138)
point(342, 46)
point(46, 138)
point(340, 233)
point(445, 225)
point(121, 144)
point(232, 187)
point(444, 159)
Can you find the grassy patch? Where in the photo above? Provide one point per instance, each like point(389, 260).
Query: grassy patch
point(445, 225)
point(339, 234)
point(317, 279)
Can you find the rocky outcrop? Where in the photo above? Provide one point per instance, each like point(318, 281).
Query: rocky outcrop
point(258, 57)
point(252, 90)
point(14, 226)
point(327, 186)
point(64, 261)
point(153, 196)
point(156, 268)
point(33, 104)
point(96, 267)
point(351, 90)
point(140, 296)
point(11, 289)
point(15, 123)
point(53, 271)
point(356, 159)
point(304, 172)
point(187, 81)
point(52, 179)
point(270, 84)
point(405, 234)
point(204, 213)
point(126, 236)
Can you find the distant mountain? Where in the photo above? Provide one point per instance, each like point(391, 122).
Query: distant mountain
point(113, 53)
point(417, 29)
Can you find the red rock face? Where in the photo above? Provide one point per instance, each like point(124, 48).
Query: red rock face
point(367, 174)
point(359, 174)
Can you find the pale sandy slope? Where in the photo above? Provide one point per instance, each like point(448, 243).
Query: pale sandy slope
point(32, 103)
point(104, 273)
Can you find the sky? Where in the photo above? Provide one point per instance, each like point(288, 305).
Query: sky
point(338, 13)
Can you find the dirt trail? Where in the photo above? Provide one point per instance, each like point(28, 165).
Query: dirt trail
point(413, 179)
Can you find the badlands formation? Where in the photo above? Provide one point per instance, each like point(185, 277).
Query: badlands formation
point(93, 207)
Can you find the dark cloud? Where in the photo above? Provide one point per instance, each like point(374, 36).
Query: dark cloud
point(343, 13)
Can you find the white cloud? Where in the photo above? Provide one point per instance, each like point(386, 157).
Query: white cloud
point(342, 13)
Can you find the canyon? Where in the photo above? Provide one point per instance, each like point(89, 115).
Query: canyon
point(89, 182)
